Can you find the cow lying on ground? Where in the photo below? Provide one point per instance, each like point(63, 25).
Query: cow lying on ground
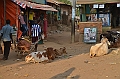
point(108, 36)
point(112, 36)
point(46, 55)
point(40, 56)
point(100, 48)
point(50, 53)
point(24, 42)
point(60, 52)
point(116, 44)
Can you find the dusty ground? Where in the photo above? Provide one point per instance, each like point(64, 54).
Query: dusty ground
point(75, 65)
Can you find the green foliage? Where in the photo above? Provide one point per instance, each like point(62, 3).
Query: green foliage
point(65, 1)
point(77, 12)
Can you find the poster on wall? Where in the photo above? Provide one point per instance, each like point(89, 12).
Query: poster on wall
point(118, 5)
point(90, 35)
point(105, 18)
point(93, 17)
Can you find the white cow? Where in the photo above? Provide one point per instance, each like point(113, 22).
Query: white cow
point(100, 48)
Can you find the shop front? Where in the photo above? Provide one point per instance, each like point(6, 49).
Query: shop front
point(34, 11)
point(99, 15)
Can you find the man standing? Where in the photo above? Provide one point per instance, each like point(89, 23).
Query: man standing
point(24, 27)
point(35, 30)
point(6, 34)
point(36, 33)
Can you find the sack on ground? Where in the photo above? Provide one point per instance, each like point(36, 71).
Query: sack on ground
point(42, 36)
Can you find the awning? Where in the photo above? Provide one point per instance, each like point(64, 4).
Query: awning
point(96, 1)
point(32, 5)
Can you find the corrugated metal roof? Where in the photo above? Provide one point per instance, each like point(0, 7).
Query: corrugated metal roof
point(25, 4)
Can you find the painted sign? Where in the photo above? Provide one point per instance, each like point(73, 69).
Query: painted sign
point(90, 35)
point(105, 18)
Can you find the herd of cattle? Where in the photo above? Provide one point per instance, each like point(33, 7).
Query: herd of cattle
point(108, 40)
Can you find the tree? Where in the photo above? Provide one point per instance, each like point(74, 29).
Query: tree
point(65, 1)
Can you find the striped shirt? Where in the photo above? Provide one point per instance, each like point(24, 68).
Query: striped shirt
point(36, 30)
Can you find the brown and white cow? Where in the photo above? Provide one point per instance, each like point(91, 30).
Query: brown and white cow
point(50, 53)
point(46, 55)
point(60, 51)
point(40, 56)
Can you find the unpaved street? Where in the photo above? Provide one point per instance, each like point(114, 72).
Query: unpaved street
point(75, 65)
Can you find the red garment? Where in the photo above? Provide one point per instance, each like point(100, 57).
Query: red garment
point(45, 27)
point(19, 33)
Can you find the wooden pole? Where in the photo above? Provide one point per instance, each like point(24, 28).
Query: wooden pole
point(17, 14)
point(29, 31)
point(73, 22)
point(4, 12)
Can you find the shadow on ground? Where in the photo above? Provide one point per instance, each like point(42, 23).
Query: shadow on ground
point(66, 75)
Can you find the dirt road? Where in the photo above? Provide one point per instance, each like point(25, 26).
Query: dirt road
point(75, 65)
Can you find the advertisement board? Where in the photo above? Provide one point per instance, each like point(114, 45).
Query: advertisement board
point(90, 35)
point(105, 18)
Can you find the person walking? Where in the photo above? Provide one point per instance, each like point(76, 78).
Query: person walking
point(6, 34)
point(24, 27)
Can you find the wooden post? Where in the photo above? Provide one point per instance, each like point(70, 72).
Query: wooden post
point(29, 30)
point(4, 12)
point(17, 14)
point(45, 25)
point(73, 22)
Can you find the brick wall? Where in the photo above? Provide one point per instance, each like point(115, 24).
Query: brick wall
point(83, 25)
point(98, 25)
